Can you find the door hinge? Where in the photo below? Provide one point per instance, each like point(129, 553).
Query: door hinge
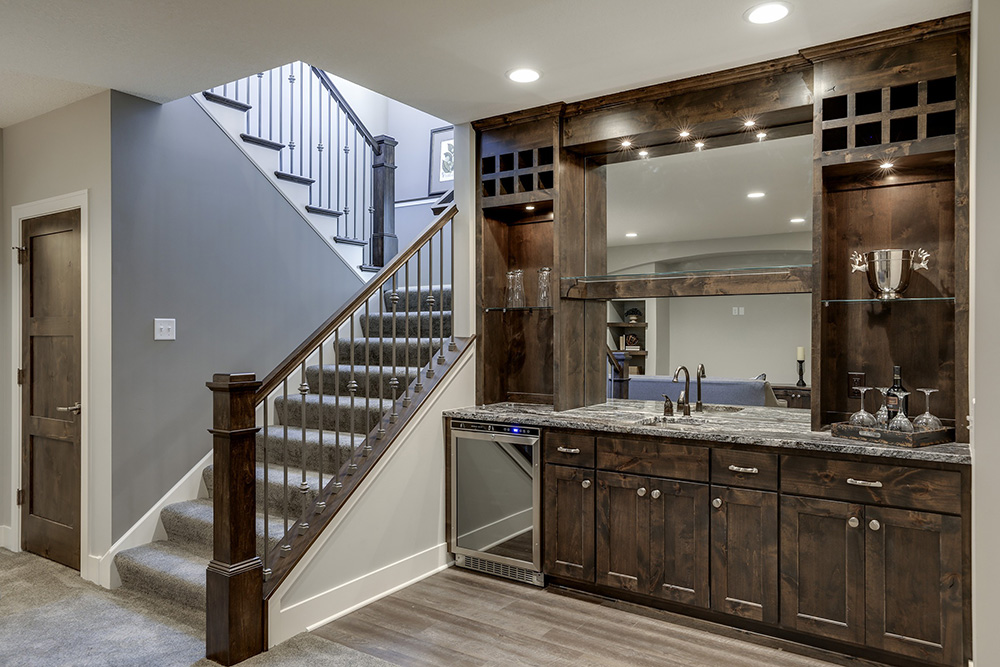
point(22, 253)
point(20, 376)
point(20, 496)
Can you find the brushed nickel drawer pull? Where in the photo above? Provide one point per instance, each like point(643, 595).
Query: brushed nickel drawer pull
point(749, 471)
point(567, 450)
point(861, 482)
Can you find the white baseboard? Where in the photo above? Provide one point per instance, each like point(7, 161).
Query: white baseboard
point(148, 528)
point(492, 534)
point(8, 540)
point(352, 595)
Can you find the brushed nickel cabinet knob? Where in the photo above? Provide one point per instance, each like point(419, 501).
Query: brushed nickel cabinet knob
point(874, 525)
point(585, 483)
point(641, 491)
point(717, 502)
point(853, 522)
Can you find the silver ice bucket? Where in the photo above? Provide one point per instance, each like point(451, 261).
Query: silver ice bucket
point(889, 270)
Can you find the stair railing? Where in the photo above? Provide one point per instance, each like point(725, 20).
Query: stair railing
point(384, 387)
point(297, 110)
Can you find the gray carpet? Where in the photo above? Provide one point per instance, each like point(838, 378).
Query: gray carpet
point(50, 616)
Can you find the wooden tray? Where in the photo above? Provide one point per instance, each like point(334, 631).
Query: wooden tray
point(886, 437)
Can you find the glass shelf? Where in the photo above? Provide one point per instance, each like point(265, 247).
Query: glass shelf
point(827, 302)
point(701, 273)
point(501, 309)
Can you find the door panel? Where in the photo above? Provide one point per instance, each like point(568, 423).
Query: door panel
point(50, 296)
point(745, 553)
point(914, 584)
point(678, 536)
point(822, 568)
point(569, 522)
point(622, 531)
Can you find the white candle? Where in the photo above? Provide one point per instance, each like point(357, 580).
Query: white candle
point(800, 353)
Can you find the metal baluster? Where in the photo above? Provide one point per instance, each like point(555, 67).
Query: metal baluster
point(286, 547)
point(312, 84)
point(364, 195)
point(270, 105)
point(260, 111)
point(406, 304)
point(329, 155)
point(281, 118)
point(418, 387)
point(267, 516)
point(381, 362)
point(320, 504)
point(451, 227)
point(355, 181)
point(394, 381)
point(368, 380)
point(291, 118)
point(303, 485)
point(441, 281)
point(430, 307)
point(339, 174)
point(319, 155)
point(352, 387)
point(337, 485)
point(302, 129)
point(347, 158)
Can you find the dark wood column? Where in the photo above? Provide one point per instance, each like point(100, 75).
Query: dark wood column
point(385, 245)
point(235, 577)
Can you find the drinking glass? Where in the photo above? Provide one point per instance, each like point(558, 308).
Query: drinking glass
point(862, 417)
point(515, 289)
point(900, 422)
point(882, 416)
point(544, 274)
point(927, 421)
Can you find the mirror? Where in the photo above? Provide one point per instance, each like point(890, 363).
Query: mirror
point(738, 206)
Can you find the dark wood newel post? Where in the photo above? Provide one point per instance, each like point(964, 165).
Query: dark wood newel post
point(235, 577)
point(385, 245)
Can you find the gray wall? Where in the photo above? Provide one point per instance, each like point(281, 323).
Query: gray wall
point(199, 235)
point(5, 370)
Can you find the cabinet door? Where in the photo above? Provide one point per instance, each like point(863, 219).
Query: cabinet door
point(914, 583)
point(822, 568)
point(569, 522)
point(622, 531)
point(678, 541)
point(745, 553)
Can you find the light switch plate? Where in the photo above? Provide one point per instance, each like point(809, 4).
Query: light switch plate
point(164, 329)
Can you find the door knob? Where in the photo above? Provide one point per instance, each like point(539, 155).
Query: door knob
point(75, 409)
point(641, 491)
point(585, 483)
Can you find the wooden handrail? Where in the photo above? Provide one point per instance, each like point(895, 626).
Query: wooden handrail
point(303, 351)
point(614, 362)
point(324, 79)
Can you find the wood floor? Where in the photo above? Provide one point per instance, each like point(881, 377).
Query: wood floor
point(459, 617)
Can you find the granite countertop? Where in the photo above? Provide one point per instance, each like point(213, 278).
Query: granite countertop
point(768, 427)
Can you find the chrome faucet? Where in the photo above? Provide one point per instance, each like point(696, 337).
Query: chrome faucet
point(668, 407)
point(683, 399)
point(699, 374)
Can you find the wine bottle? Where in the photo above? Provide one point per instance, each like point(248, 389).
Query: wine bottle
point(892, 400)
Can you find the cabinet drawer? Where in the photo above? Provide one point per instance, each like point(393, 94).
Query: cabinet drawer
point(568, 449)
point(754, 470)
point(912, 488)
point(658, 458)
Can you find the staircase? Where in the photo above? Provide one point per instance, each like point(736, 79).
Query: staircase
point(318, 432)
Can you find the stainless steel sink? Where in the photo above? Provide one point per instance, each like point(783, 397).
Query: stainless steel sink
point(679, 420)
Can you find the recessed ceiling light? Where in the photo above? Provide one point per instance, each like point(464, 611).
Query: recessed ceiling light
point(631, 235)
point(684, 134)
point(797, 220)
point(761, 136)
point(529, 207)
point(626, 143)
point(749, 123)
point(643, 153)
point(886, 165)
point(768, 12)
point(523, 75)
point(699, 144)
point(754, 195)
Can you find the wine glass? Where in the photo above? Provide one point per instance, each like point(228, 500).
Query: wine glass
point(862, 417)
point(927, 421)
point(882, 416)
point(900, 422)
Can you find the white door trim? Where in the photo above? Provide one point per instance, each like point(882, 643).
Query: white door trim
point(20, 213)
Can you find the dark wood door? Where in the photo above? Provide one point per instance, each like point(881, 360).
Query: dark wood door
point(914, 583)
point(745, 553)
point(822, 568)
point(622, 531)
point(678, 541)
point(50, 473)
point(569, 522)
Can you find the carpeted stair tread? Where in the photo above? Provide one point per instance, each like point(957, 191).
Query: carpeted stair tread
point(276, 489)
point(332, 407)
point(337, 377)
point(417, 298)
point(166, 570)
point(419, 325)
point(382, 350)
point(277, 451)
point(189, 524)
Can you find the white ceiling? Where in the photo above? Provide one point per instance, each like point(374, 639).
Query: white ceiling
point(703, 194)
point(445, 57)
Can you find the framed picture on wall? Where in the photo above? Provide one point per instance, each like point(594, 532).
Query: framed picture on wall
point(442, 167)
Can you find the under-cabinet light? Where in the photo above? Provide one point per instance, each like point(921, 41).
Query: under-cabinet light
point(529, 207)
point(761, 136)
point(683, 134)
point(754, 195)
point(768, 12)
point(523, 75)
point(886, 165)
point(749, 123)
point(699, 145)
point(797, 220)
point(643, 153)
point(631, 235)
point(626, 143)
